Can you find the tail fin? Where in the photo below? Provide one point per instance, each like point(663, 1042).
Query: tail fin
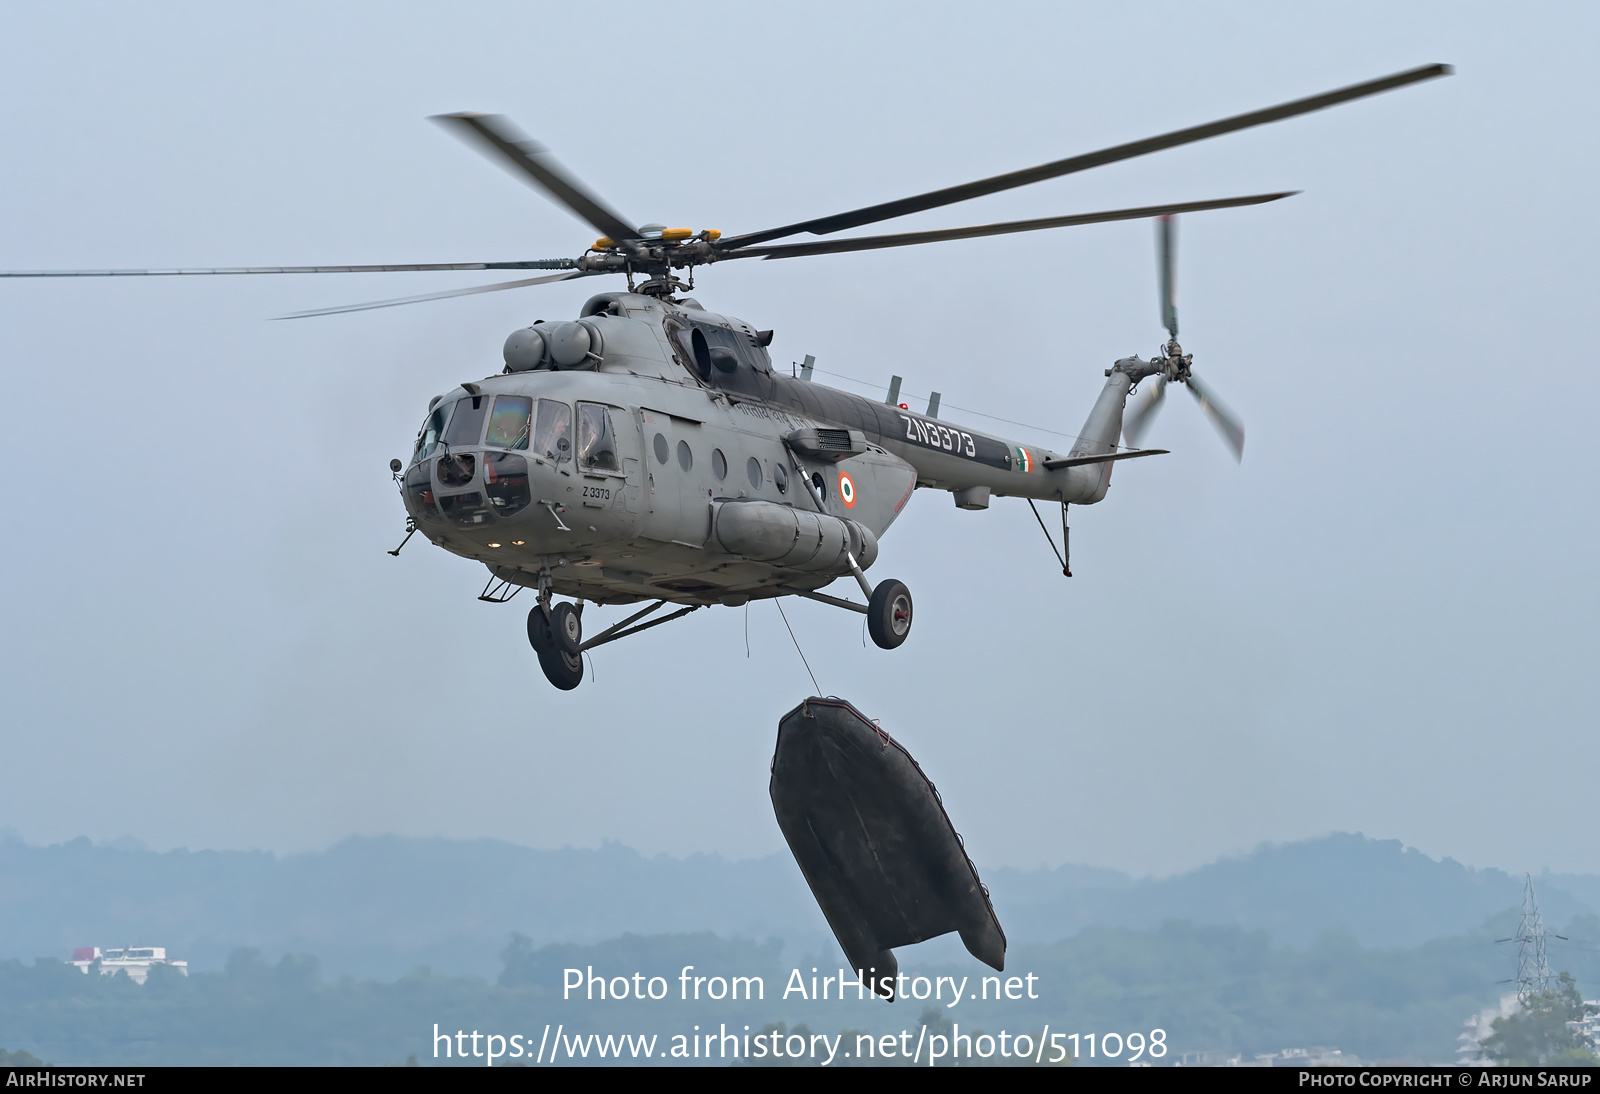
point(1100, 431)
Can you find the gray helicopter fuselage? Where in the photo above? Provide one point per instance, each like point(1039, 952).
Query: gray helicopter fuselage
point(642, 474)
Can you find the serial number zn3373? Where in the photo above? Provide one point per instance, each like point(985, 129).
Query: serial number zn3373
point(934, 435)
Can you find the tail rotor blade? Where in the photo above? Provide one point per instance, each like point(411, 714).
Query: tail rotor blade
point(1143, 410)
point(1165, 233)
point(1226, 422)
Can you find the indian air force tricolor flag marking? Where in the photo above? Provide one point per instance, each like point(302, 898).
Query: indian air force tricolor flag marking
point(1024, 458)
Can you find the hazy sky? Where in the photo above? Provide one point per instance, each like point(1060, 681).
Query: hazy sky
point(1384, 620)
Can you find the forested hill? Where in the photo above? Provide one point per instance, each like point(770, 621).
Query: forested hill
point(380, 906)
point(1378, 891)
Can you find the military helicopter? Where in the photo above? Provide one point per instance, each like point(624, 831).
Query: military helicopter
point(649, 451)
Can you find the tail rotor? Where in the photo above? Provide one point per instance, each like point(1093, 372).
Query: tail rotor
point(1173, 366)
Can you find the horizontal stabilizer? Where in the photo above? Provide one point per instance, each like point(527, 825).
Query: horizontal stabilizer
point(1083, 461)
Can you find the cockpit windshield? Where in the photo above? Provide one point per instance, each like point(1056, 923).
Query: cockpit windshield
point(510, 418)
point(466, 424)
point(508, 422)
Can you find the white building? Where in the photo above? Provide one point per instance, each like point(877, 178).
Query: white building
point(135, 961)
point(1589, 1025)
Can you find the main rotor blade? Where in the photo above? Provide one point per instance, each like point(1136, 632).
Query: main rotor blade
point(1227, 424)
point(534, 264)
point(1143, 411)
point(1165, 230)
point(517, 151)
point(908, 239)
point(952, 194)
point(441, 295)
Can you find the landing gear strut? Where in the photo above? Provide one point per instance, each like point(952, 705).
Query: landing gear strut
point(888, 609)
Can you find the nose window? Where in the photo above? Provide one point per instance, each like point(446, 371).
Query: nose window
point(419, 490)
point(552, 431)
point(597, 445)
point(509, 422)
point(466, 510)
point(505, 476)
point(457, 469)
point(466, 425)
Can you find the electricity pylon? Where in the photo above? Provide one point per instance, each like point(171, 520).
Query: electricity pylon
point(1533, 964)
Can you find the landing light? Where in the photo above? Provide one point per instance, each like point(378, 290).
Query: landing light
point(516, 543)
point(494, 545)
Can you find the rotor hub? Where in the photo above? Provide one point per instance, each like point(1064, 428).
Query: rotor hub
point(1175, 364)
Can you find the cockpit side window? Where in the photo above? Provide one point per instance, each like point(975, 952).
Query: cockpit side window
point(432, 431)
point(552, 431)
point(509, 422)
point(597, 445)
point(466, 425)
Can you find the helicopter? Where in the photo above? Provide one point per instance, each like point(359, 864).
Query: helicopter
point(648, 451)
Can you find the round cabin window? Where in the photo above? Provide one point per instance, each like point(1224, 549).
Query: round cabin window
point(661, 448)
point(754, 469)
point(685, 457)
point(719, 464)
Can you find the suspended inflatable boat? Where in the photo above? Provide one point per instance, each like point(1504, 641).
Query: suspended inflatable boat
point(872, 838)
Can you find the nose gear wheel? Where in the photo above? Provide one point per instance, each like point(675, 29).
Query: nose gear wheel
point(566, 628)
point(556, 635)
point(563, 669)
